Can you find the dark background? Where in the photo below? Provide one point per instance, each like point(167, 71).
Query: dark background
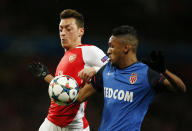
point(29, 32)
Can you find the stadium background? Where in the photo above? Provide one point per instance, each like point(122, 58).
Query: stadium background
point(29, 32)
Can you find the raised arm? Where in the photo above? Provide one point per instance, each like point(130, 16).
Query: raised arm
point(173, 82)
point(157, 63)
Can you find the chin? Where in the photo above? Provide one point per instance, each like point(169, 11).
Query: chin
point(64, 46)
point(111, 62)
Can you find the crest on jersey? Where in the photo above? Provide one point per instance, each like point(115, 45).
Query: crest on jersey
point(72, 58)
point(133, 78)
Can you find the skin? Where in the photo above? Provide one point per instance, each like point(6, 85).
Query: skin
point(71, 35)
point(87, 76)
point(121, 56)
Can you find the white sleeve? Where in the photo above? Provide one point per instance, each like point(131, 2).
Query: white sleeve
point(94, 57)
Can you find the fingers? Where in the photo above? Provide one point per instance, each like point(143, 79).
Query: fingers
point(38, 69)
point(35, 65)
point(84, 75)
point(87, 73)
point(32, 66)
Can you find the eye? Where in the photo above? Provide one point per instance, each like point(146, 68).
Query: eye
point(68, 28)
point(60, 28)
point(111, 46)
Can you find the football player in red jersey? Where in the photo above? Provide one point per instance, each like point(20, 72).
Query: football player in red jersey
point(79, 61)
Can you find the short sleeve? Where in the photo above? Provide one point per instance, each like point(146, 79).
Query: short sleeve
point(156, 80)
point(94, 57)
point(97, 80)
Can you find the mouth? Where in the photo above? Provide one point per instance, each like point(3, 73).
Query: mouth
point(109, 56)
point(63, 40)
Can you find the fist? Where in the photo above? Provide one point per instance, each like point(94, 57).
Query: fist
point(87, 73)
point(39, 70)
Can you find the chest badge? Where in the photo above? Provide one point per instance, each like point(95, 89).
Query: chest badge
point(72, 58)
point(133, 78)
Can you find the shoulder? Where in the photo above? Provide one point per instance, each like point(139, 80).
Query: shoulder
point(139, 67)
point(91, 50)
point(156, 79)
point(88, 47)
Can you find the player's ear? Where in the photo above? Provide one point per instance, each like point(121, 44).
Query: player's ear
point(127, 48)
point(81, 32)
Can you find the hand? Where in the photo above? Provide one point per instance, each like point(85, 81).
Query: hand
point(87, 73)
point(39, 70)
point(156, 61)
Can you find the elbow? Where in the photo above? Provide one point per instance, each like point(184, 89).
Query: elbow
point(184, 88)
point(181, 88)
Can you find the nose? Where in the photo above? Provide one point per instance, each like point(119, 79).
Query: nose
point(109, 51)
point(62, 33)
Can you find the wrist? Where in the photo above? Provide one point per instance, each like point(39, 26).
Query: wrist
point(165, 72)
point(48, 78)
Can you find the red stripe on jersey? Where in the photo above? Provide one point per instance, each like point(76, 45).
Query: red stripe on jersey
point(71, 63)
point(85, 122)
point(62, 115)
point(160, 80)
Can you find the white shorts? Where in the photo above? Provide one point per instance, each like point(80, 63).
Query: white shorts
point(49, 126)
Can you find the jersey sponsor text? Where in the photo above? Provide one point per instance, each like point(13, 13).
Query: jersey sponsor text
point(121, 95)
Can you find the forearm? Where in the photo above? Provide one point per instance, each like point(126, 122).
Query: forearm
point(174, 82)
point(48, 78)
point(85, 92)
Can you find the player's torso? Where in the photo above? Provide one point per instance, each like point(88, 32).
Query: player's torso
point(71, 64)
point(124, 91)
point(73, 115)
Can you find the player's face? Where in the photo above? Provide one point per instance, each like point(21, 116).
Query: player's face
point(115, 51)
point(70, 33)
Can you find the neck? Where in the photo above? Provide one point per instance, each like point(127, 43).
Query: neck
point(72, 47)
point(75, 44)
point(128, 60)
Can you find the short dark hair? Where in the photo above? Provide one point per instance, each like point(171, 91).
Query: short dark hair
point(70, 13)
point(126, 33)
point(124, 30)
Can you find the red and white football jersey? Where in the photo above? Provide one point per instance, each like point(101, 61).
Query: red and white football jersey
point(71, 64)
